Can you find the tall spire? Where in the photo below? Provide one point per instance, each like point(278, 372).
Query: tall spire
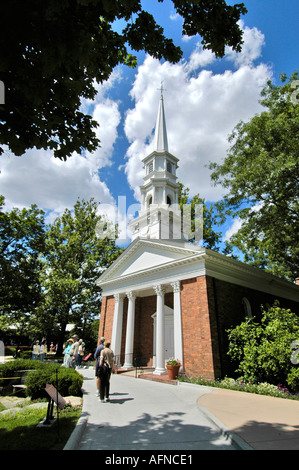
point(159, 217)
point(160, 142)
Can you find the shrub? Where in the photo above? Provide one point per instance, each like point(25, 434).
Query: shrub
point(263, 349)
point(69, 382)
point(26, 354)
point(293, 379)
point(9, 368)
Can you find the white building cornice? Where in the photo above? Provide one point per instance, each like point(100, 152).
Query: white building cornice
point(187, 261)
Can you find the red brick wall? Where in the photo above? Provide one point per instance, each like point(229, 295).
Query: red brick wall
point(106, 319)
point(209, 307)
point(200, 340)
point(229, 313)
point(197, 334)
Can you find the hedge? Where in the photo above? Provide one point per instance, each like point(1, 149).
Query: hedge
point(69, 380)
point(9, 368)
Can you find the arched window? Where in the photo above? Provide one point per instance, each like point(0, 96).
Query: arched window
point(150, 200)
point(246, 307)
point(168, 200)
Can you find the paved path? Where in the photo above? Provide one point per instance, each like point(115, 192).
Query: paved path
point(145, 415)
point(265, 423)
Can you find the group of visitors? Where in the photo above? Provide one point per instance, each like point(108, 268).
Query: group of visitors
point(104, 366)
point(73, 352)
point(39, 350)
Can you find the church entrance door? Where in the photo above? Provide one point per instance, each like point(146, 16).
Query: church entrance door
point(169, 334)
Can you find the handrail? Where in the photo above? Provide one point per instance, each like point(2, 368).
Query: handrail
point(137, 361)
point(9, 378)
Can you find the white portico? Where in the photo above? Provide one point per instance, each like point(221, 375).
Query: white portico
point(150, 268)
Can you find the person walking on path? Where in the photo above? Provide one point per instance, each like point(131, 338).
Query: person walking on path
point(106, 366)
point(43, 350)
point(97, 355)
point(80, 354)
point(66, 359)
point(36, 351)
point(74, 351)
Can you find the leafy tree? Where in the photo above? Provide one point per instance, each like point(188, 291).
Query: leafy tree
point(22, 236)
point(90, 333)
point(75, 256)
point(53, 52)
point(263, 349)
point(261, 175)
point(211, 239)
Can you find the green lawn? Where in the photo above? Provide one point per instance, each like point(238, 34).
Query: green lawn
point(20, 432)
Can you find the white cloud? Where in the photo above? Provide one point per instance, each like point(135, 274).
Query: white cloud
point(106, 113)
point(237, 224)
point(174, 16)
point(200, 58)
point(254, 40)
point(201, 108)
point(38, 178)
point(186, 38)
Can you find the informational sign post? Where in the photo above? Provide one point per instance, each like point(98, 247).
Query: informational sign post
point(55, 396)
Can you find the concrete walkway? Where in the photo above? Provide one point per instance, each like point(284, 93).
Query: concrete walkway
point(145, 415)
point(148, 415)
point(265, 423)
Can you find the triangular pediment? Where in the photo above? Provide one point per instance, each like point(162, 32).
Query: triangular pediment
point(144, 255)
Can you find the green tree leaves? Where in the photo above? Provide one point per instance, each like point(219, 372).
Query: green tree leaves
point(211, 238)
point(48, 274)
point(74, 259)
point(263, 350)
point(52, 53)
point(261, 175)
point(21, 244)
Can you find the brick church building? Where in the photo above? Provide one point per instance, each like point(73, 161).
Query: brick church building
point(165, 297)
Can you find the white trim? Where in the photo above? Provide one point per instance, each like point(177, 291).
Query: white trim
point(193, 262)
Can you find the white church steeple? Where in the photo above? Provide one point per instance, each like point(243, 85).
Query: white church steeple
point(161, 142)
point(158, 217)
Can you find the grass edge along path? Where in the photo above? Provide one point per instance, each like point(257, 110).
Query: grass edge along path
point(19, 431)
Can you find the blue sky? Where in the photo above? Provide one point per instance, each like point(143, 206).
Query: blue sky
point(204, 99)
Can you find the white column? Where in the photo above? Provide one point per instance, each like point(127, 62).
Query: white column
point(160, 332)
point(117, 325)
point(154, 195)
point(130, 331)
point(164, 195)
point(177, 321)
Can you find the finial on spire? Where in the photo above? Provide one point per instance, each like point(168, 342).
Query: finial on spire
point(160, 141)
point(161, 89)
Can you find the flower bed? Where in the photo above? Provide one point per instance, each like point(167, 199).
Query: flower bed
point(237, 384)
